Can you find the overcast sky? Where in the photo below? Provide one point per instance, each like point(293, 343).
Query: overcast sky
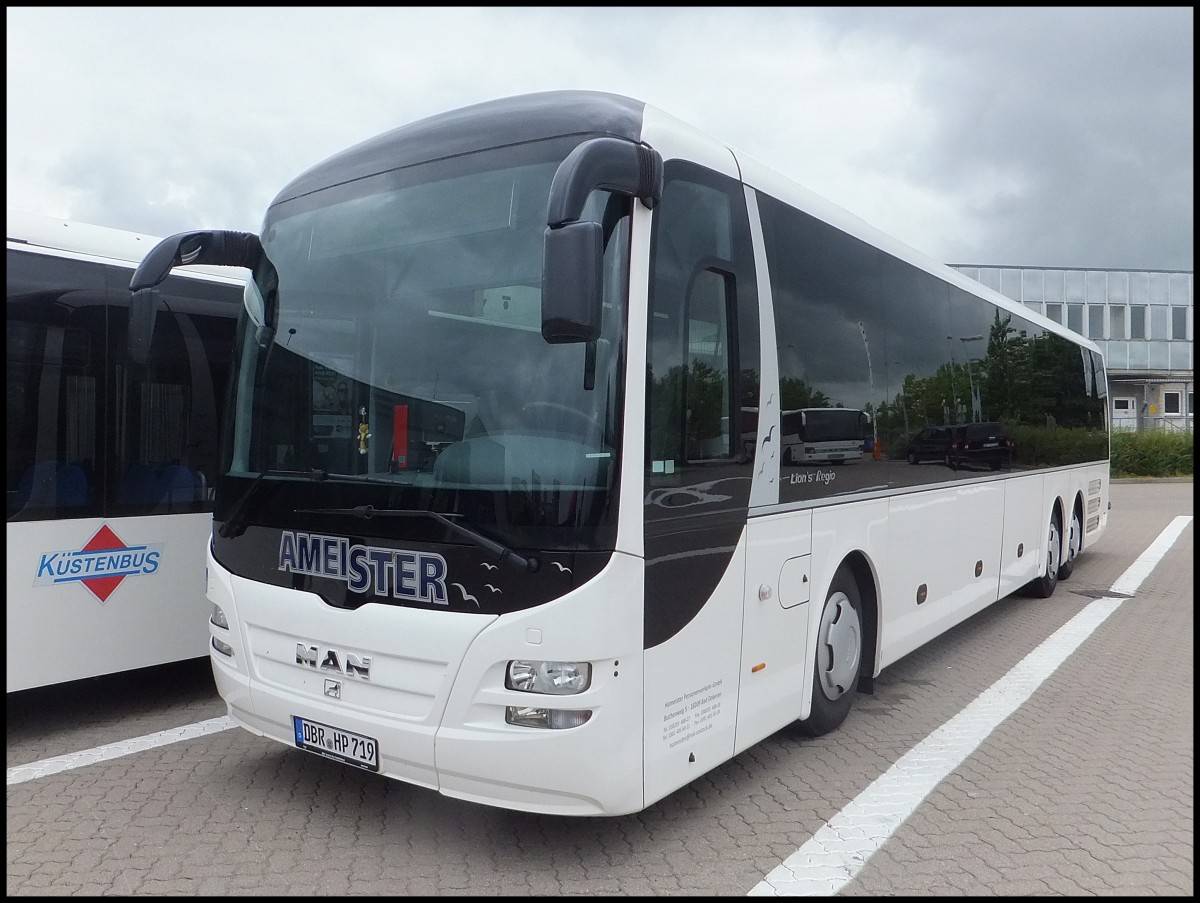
point(1006, 136)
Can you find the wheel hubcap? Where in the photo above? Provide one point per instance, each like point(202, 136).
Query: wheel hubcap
point(839, 648)
point(1052, 550)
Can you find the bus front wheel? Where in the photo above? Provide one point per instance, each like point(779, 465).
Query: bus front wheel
point(839, 655)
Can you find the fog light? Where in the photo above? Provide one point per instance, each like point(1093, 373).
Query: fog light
point(552, 719)
point(223, 648)
point(218, 617)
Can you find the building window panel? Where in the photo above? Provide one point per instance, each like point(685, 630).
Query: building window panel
point(1076, 285)
point(1052, 285)
point(1054, 312)
point(1010, 284)
point(1095, 321)
point(1139, 287)
point(1159, 318)
point(1181, 288)
point(1159, 357)
point(1179, 323)
point(1160, 288)
point(1118, 288)
point(1137, 321)
point(1097, 286)
point(1181, 355)
point(1116, 323)
point(1075, 317)
point(1171, 403)
point(1031, 285)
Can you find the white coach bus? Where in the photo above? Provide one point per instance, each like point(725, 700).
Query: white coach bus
point(112, 452)
point(532, 560)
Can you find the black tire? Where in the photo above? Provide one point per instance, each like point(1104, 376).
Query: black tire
point(1074, 545)
point(839, 656)
point(912, 459)
point(1043, 587)
point(787, 456)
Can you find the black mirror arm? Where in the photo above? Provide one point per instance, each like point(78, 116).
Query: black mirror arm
point(603, 163)
point(214, 248)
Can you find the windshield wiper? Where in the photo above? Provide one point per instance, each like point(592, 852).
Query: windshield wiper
point(504, 553)
point(233, 525)
point(318, 476)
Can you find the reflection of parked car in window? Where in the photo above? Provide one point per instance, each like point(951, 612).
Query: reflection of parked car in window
point(931, 444)
point(981, 444)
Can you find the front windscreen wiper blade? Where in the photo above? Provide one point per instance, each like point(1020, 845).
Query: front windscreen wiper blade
point(366, 512)
point(317, 476)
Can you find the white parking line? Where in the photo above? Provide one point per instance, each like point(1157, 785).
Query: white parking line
point(840, 849)
point(21, 773)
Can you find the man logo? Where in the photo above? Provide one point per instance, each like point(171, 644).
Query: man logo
point(323, 658)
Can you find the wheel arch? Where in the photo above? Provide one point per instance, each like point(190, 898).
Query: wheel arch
point(1078, 509)
point(868, 590)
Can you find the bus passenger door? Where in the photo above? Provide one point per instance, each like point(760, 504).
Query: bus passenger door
point(774, 625)
point(701, 383)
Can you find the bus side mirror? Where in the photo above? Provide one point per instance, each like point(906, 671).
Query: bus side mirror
point(572, 281)
point(573, 253)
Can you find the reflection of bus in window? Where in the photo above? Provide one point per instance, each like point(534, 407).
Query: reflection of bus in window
point(112, 452)
point(823, 435)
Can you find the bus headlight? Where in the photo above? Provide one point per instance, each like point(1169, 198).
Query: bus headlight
point(218, 617)
point(552, 678)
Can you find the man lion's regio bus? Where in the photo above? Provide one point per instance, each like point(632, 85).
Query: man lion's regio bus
point(533, 560)
point(112, 452)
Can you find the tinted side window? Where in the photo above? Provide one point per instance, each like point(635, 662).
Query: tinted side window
point(857, 328)
point(89, 432)
point(57, 332)
point(167, 413)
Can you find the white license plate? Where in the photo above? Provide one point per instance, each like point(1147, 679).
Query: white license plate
point(335, 743)
point(991, 445)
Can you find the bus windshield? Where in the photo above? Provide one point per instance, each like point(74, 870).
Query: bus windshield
point(406, 367)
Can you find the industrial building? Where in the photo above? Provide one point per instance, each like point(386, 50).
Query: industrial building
point(1142, 320)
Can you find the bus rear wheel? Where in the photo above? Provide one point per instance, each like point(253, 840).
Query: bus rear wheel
point(1043, 586)
point(838, 658)
point(1074, 546)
